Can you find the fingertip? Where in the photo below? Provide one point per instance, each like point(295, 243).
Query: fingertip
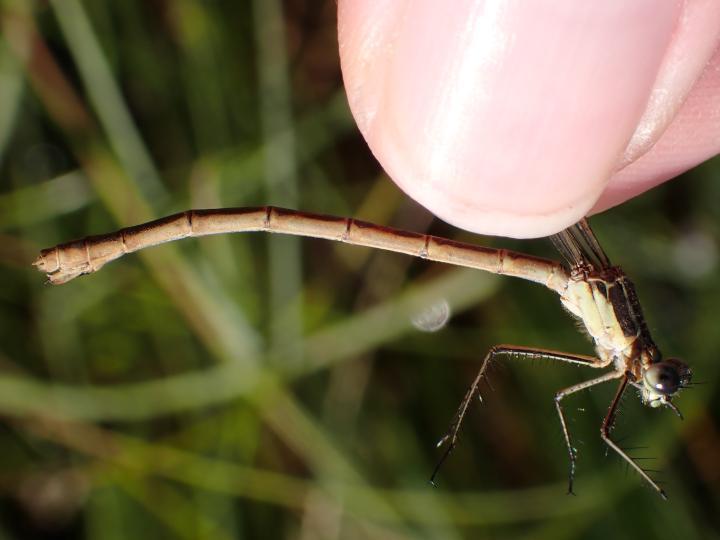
point(518, 221)
point(501, 118)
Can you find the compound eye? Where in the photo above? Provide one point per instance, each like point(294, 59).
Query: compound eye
point(663, 378)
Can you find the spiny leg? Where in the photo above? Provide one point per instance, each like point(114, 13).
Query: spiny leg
point(559, 396)
point(525, 353)
point(605, 429)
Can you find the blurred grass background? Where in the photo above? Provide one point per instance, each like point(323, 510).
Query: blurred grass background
point(256, 386)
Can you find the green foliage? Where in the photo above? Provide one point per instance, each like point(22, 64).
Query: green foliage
point(257, 386)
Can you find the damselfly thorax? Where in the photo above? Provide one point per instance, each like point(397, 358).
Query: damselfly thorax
point(606, 303)
point(604, 299)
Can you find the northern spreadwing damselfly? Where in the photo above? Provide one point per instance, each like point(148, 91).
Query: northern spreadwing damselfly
point(599, 294)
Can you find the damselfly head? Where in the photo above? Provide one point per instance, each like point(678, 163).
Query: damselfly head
point(663, 380)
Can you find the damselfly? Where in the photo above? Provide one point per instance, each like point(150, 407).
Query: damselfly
point(599, 294)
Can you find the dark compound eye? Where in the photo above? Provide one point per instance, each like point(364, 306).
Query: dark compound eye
point(663, 378)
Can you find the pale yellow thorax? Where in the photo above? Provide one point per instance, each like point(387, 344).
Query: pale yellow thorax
point(591, 305)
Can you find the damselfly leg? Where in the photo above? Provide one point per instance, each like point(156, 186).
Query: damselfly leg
point(606, 428)
point(559, 396)
point(524, 353)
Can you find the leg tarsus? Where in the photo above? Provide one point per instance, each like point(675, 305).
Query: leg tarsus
point(605, 436)
point(449, 449)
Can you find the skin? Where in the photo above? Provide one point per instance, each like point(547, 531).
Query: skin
point(516, 117)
